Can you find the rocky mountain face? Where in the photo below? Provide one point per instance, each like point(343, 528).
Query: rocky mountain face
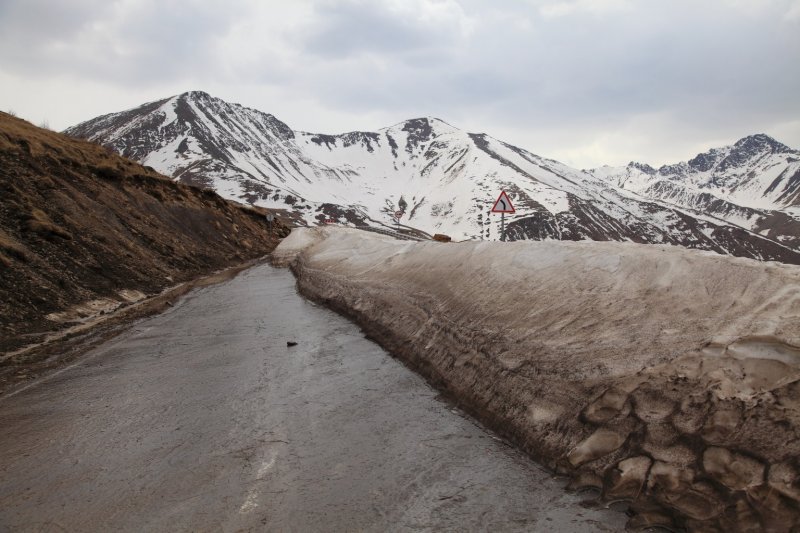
point(444, 180)
point(753, 184)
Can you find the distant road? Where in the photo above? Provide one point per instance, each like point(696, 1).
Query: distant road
point(399, 231)
point(202, 419)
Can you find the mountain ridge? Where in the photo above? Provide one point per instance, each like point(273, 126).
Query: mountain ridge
point(753, 183)
point(448, 177)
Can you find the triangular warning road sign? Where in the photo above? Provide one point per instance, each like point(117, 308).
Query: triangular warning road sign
point(503, 204)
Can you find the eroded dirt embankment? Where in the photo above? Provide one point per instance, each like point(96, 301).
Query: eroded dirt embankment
point(668, 378)
point(85, 233)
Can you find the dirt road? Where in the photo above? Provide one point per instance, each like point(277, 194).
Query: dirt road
point(203, 419)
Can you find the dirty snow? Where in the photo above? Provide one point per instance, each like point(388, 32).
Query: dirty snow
point(651, 302)
point(601, 359)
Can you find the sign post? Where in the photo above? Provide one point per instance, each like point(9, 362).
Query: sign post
point(398, 215)
point(503, 205)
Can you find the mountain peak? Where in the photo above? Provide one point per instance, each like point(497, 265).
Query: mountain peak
point(707, 160)
point(751, 148)
point(434, 124)
point(429, 119)
point(643, 167)
point(195, 95)
point(423, 129)
point(444, 175)
point(761, 142)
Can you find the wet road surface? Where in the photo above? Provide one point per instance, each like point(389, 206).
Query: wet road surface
point(203, 419)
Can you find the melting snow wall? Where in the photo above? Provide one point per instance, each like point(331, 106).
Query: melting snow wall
point(665, 377)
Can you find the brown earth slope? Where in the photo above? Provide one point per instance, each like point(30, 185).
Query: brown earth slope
point(84, 231)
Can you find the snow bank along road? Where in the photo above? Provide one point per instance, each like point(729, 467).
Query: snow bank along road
point(666, 377)
point(201, 419)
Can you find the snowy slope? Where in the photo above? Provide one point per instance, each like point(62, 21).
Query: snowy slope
point(754, 184)
point(448, 178)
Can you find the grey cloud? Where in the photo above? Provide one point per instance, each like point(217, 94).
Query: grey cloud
point(37, 23)
point(704, 67)
point(349, 28)
point(115, 42)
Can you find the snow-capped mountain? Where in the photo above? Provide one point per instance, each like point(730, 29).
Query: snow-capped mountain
point(754, 184)
point(444, 179)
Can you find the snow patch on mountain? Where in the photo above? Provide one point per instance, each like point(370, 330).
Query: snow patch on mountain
point(445, 180)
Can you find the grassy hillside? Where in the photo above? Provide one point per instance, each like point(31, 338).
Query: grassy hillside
point(83, 230)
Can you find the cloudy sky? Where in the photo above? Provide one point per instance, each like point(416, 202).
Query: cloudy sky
point(587, 82)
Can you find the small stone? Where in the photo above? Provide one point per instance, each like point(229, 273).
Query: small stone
point(650, 518)
point(775, 513)
point(606, 407)
point(585, 480)
point(740, 517)
point(735, 471)
point(700, 502)
point(784, 478)
point(651, 405)
point(291, 343)
point(722, 424)
point(666, 478)
point(600, 443)
point(627, 478)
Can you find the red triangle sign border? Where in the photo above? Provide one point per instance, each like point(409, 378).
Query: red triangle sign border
point(504, 203)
